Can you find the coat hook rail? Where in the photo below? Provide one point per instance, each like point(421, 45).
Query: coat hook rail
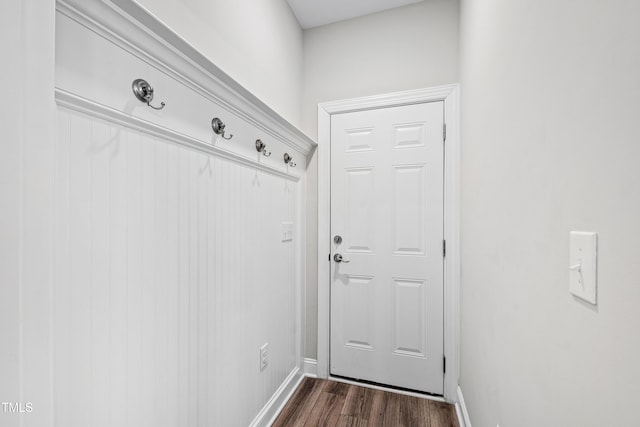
point(289, 160)
point(144, 92)
point(218, 128)
point(261, 147)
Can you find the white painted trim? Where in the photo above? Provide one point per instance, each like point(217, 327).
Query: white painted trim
point(134, 29)
point(301, 256)
point(450, 95)
point(29, 182)
point(452, 236)
point(272, 409)
point(459, 415)
point(417, 96)
point(461, 410)
point(83, 105)
point(324, 244)
point(310, 367)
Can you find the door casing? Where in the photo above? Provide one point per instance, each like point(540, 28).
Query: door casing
point(450, 95)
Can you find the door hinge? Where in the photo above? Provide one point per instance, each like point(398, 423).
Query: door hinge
point(329, 257)
point(444, 248)
point(444, 132)
point(444, 364)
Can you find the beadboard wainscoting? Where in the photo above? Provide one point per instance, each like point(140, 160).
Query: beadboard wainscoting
point(173, 261)
point(170, 275)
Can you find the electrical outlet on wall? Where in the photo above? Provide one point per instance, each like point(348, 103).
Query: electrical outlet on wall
point(583, 263)
point(287, 231)
point(264, 356)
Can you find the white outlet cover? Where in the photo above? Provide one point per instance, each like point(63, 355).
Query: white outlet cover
point(287, 231)
point(264, 356)
point(583, 255)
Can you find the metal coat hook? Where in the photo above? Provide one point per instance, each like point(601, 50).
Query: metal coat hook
point(218, 128)
point(262, 148)
point(289, 160)
point(144, 92)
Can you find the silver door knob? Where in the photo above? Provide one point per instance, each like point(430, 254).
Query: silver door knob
point(339, 258)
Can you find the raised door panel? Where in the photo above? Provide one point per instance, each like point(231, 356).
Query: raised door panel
point(359, 209)
point(358, 313)
point(409, 135)
point(409, 210)
point(409, 317)
point(359, 140)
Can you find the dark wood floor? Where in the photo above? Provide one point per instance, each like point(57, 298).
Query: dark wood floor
point(329, 403)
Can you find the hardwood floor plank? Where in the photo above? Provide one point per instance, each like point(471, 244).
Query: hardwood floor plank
point(326, 411)
point(424, 412)
point(414, 412)
point(378, 404)
point(334, 387)
point(323, 403)
point(391, 415)
point(350, 421)
point(442, 414)
point(299, 407)
point(358, 402)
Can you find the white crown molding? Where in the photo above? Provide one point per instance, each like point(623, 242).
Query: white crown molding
point(134, 29)
point(77, 103)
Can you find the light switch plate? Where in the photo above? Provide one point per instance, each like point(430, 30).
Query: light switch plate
point(583, 256)
point(287, 231)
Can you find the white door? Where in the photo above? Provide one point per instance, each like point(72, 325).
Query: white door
point(387, 207)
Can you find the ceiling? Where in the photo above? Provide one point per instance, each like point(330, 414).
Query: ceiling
point(313, 13)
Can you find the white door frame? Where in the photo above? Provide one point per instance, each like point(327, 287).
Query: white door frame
point(450, 95)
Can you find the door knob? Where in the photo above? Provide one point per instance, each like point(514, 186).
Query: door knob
point(338, 258)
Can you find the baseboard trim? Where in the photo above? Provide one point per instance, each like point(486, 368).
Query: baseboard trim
point(310, 367)
point(272, 409)
point(461, 410)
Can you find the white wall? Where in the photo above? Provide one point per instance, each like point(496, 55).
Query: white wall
point(170, 271)
point(411, 47)
point(26, 120)
point(10, 25)
point(550, 135)
point(258, 43)
point(68, 244)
